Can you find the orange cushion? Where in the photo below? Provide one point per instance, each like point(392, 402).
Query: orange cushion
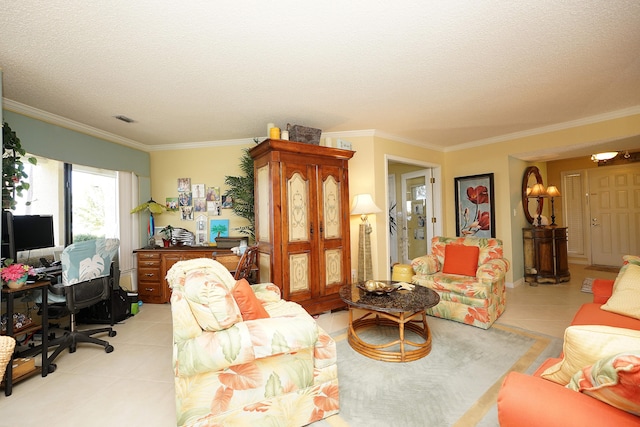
point(461, 259)
point(250, 306)
point(592, 314)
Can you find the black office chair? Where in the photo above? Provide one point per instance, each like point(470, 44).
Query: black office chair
point(89, 275)
point(246, 265)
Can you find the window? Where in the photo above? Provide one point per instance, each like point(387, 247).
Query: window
point(94, 203)
point(94, 199)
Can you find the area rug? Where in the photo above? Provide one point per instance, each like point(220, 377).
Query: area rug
point(606, 268)
point(455, 385)
point(587, 284)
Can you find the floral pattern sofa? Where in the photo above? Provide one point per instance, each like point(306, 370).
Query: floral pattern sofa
point(242, 356)
point(477, 297)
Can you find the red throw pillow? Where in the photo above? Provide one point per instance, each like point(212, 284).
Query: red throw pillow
point(461, 259)
point(250, 306)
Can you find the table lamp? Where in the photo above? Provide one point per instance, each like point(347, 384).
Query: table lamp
point(538, 191)
point(153, 207)
point(363, 205)
point(552, 191)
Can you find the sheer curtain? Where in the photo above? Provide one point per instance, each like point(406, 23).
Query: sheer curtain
point(129, 229)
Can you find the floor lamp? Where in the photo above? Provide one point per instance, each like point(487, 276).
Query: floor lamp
point(363, 205)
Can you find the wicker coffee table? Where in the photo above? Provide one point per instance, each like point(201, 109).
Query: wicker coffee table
point(400, 309)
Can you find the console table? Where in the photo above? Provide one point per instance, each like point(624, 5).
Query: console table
point(545, 255)
point(153, 265)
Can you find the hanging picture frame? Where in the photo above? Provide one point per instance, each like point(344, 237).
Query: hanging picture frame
point(475, 207)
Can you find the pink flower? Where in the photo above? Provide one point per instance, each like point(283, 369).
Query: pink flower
point(16, 271)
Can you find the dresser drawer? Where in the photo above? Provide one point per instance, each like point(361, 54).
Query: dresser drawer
point(150, 293)
point(148, 255)
point(149, 275)
point(149, 263)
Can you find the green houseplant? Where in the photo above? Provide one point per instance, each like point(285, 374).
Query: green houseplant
point(13, 174)
point(241, 190)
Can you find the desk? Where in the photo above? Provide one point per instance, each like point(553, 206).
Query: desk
point(9, 295)
point(153, 265)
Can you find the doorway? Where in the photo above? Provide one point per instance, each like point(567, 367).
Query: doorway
point(602, 213)
point(414, 202)
point(613, 213)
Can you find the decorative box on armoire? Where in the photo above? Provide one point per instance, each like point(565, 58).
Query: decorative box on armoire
point(302, 220)
point(545, 254)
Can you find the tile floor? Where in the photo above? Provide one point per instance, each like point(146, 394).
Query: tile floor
point(133, 386)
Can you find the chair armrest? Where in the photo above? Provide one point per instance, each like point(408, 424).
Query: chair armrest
point(426, 264)
point(493, 269)
point(602, 290)
point(528, 401)
point(245, 342)
point(267, 292)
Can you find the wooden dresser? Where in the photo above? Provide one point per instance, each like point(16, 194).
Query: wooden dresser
point(545, 255)
point(302, 220)
point(153, 265)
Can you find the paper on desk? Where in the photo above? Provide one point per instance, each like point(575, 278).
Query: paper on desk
point(406, 286)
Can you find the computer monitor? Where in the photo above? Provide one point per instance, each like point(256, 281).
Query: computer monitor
point(33, 232)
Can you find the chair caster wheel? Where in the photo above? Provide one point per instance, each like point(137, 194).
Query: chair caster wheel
point(108, 349)
point(52, 368)
point(112, 333)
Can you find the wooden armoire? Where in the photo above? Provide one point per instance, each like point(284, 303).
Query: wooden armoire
point(302, 220)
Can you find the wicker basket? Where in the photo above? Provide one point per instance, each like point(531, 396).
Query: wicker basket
point(7, 344)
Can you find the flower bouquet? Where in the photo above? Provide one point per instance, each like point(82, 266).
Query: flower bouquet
point(16, 274)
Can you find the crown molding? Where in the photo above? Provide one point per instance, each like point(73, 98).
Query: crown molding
point(551, 128)
point(35, 113)
point(54, 119)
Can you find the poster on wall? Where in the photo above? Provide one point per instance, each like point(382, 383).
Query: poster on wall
point(218, 228)
point(475, 206)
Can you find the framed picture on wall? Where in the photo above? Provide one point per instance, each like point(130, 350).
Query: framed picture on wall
point(475, 210)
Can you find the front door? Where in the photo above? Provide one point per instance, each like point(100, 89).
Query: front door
point(614, 213)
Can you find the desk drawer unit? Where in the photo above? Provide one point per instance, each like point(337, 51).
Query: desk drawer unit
point(150, 278)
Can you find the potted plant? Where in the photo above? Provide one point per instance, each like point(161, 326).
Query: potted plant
point(13, 174)
point(167, 235)
point(241, 191)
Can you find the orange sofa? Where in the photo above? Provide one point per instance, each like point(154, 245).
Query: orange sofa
point(529, 400)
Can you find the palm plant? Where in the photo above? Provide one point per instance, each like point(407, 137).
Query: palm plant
point(241, 190)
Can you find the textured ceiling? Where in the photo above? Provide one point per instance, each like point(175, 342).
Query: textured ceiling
point(437, 73)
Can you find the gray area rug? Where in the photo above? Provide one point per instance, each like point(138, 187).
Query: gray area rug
point(455, 385)
point(587, 284)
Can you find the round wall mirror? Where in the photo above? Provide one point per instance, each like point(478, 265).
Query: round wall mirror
point(532, 207)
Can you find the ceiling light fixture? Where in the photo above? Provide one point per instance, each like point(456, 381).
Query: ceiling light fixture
point(603, 157)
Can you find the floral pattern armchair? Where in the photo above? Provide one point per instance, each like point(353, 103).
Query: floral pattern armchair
point(277, 371)
point(475, 300)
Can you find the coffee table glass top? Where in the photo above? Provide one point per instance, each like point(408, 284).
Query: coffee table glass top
point(418, 299)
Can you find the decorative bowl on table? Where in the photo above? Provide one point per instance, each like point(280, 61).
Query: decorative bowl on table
point(376, 287)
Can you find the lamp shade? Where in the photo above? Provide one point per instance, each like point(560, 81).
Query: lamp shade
point(552, 191)
point(537, 191)
point(363, 205)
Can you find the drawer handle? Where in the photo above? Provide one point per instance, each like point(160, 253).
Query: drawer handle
point(149, 289)
point(149, 274)
point(149, 263)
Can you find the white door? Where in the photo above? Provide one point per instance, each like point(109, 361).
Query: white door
point(417, 214)
point(614, 213)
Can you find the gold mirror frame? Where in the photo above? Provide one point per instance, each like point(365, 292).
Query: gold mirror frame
point(531, 171)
